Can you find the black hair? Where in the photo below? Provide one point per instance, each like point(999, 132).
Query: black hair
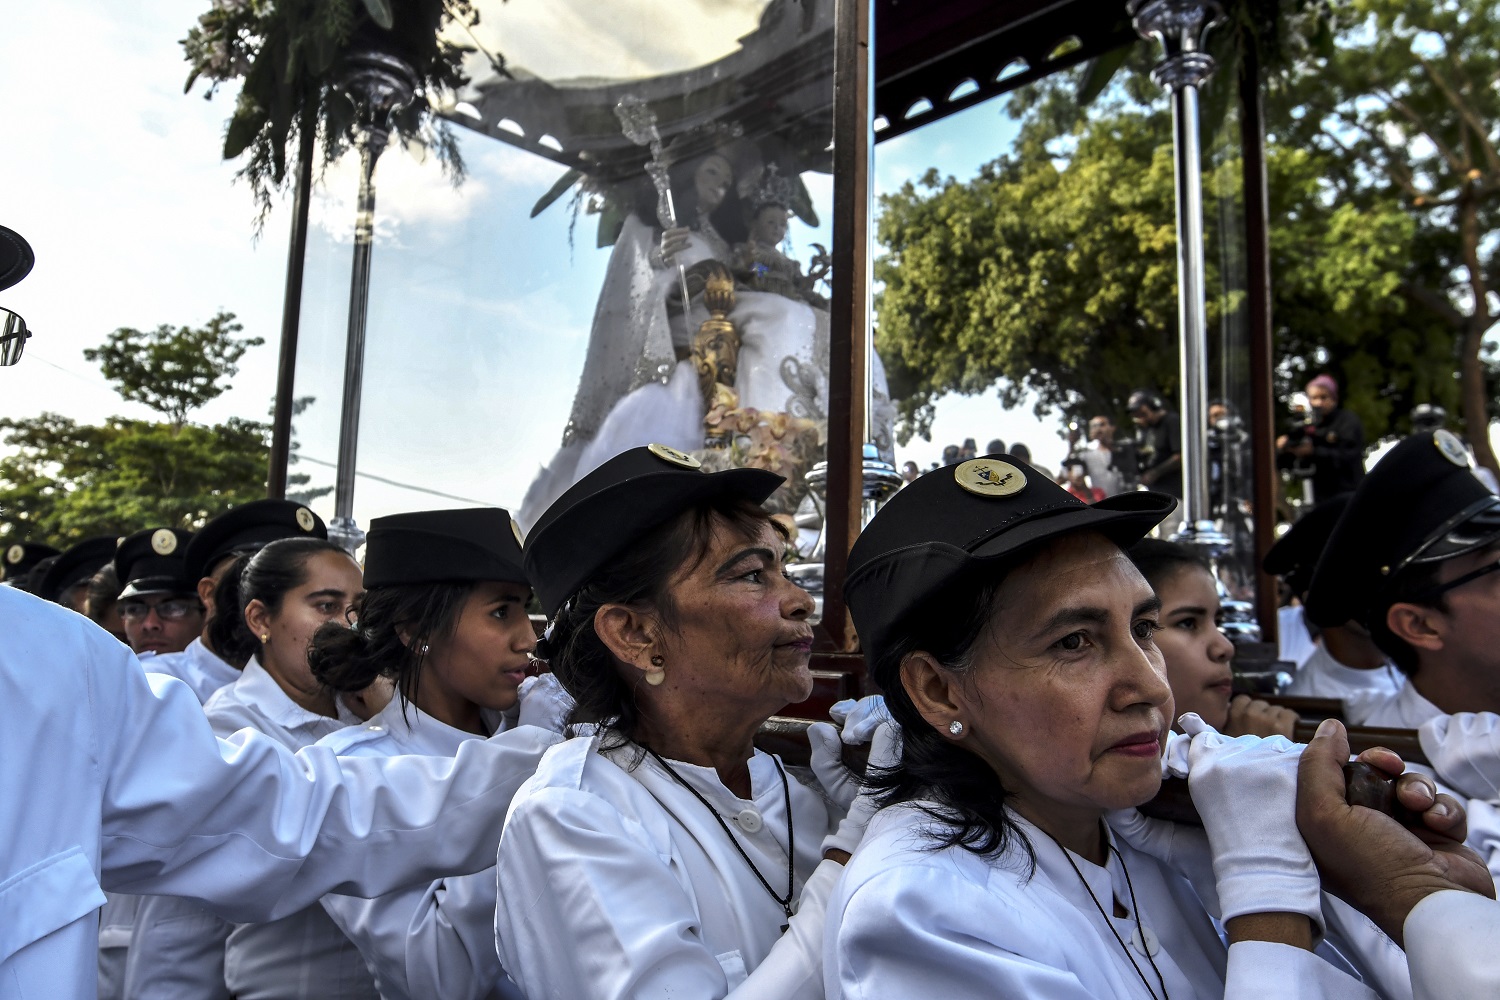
point(103, 593)
point(1159, 560)
point(728, 218)
point(1019, 450)
point(350, 657)
point(265, 575)
point(953, 786)
point(639, 577)
point(1413, 585)
point(995, 447)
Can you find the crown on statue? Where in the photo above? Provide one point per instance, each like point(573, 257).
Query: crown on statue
point(774, 189)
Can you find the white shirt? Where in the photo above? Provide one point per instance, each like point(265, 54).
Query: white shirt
point(1294, 642)
point(1100, 463)
point(1408, 709)
point(618, 883)
point(908, 921)
point(108, 776)
point(195, 666)
point(434, 940)
point(179, 951)
point(1322, 676)
point(1450, 942)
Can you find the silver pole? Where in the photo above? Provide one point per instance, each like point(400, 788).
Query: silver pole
point(378, 84)
point(1179, 26)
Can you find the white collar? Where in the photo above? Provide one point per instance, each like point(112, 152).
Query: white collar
point(415, 732)
point(257, 687)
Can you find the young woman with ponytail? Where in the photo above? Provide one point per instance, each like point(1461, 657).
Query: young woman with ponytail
point(267, 607)
point(444, 619)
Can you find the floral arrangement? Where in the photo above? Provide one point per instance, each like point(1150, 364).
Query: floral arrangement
point(290, 56)
point(765, 439)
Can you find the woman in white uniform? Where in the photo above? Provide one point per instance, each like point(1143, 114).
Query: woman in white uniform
point(658, 853)
point(444, 617)
point(1195, 650)
point(279, 596)
point(1016, 645)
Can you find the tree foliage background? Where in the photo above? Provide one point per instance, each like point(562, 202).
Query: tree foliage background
point(64, 481)
point(1054, 269)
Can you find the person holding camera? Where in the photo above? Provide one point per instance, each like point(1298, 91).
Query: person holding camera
point(1158, 450)
point(1331, 445)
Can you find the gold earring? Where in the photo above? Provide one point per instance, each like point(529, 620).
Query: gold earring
point(656, 674)
point(265, 637)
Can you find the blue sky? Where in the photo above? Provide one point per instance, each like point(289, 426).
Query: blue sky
point(479, 315)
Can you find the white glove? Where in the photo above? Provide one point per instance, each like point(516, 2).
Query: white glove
point(859, 720)
point(1464, 750)
point(885, 752)
point(544, 703)
point(1184, 849)
point(1174, 759)
point(1245, 789)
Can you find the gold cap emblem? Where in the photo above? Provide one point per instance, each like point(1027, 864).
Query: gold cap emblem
point(990, 478)
point(163, 542)
point(15, 554)
point(1452, 448)
point(674, 456)
point(515, 529)
point(305, 519)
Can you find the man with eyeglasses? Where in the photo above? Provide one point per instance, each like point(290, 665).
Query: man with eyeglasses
point(158, 606)
point(1413, 559)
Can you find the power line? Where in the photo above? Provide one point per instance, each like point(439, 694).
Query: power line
point(299, 457)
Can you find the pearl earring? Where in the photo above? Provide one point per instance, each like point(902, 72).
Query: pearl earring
point(424, 648)
point(955, 728)
point(656, 675)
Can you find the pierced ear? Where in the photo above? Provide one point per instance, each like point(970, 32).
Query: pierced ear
point(628, 634)
point(932, 690)
point(1413, 624)
point(257, 618)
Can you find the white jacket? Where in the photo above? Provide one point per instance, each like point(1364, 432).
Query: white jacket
point(910, 921)
point(110, 778)
point(434, 940)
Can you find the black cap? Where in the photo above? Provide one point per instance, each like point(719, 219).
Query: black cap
point(956, 519)
point(1295, 554)
point(150, 562)
point(18, 559)
point(16, 258)
point(246, 528)
point(606, 511)
point(435, 546)
point(76, 565)
point(1421, 503)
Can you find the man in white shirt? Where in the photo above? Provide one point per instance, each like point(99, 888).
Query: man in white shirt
point(1413, 559)
point(1344, 664)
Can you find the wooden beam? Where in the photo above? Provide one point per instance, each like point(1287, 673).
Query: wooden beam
point(849, 312)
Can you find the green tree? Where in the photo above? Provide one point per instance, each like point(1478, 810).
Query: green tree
point(174, 371)
point(1054, 269)
point(64, 481)
point(1405, 112)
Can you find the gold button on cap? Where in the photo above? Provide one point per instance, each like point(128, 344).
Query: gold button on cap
point(1452, 448)
point(515, 529)
point(163, 542)
point(305, 519)
point(988, 477)
point(674, 456)
point(15, 554)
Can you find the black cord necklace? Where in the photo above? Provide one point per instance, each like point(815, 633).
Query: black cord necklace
point(1135, 911)
point(791, 843)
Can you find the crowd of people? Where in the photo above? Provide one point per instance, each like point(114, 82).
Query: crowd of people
point(237, 762)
